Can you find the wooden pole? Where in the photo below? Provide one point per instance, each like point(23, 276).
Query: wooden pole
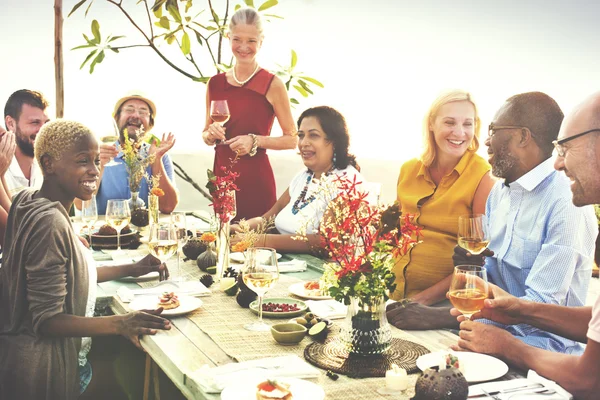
point(58, 59)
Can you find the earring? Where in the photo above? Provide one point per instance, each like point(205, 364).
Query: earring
point(334, 158)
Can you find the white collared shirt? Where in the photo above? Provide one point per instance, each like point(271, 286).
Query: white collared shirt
point(16, 181)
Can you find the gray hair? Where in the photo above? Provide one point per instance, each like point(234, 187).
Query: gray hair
point(246, 16)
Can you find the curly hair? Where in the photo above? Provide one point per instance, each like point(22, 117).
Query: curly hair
point(336, 130)
point(58, 137)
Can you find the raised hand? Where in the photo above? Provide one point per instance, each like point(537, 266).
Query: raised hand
point(463, 257)
point(149, 264)
point(107, 153)
point(166, 143)
point(145, 322)
point(7, 150)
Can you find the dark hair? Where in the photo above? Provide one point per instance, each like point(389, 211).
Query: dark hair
point(541, 114)
point(336, 130)
point(14, 104)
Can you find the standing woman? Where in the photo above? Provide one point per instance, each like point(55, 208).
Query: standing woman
point(255, 97)
point(449, 179)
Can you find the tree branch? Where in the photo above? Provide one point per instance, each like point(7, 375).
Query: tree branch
point(149, 20)
point(183, 175)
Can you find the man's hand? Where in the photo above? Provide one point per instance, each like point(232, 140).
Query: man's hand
point(241, 145)
point(463, 257)
point(166, 143)
point(500, 307)
point(107, 153)
point(481, 338)
point(137, 323)
point(149, 264)
point(410, 315)
point(7, 150)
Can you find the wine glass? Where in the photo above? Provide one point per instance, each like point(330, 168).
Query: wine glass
point(118, 216)
point(162, 241)
point(111, 139)
point(469, 289)
point(89, 214)
point(473, 233)
point(178, 221)
point(260, 272)
point(219, 112)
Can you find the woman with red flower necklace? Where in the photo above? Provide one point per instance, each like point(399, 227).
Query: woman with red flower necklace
point(323, 145)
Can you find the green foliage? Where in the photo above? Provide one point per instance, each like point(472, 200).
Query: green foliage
point(178, 22)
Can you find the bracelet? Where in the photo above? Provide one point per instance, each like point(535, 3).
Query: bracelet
point(254, 148)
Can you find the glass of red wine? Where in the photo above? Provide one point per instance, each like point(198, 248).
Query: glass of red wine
point(219, 112)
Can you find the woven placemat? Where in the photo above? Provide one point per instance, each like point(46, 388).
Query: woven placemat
point(332, 355)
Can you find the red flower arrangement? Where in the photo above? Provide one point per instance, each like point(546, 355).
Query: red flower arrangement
point(222, 189)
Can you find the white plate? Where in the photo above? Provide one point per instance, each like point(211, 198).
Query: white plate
point(187, 304)
point(478, 367)
point(238, 257)
point(301, 390)
point(142, 278)
point(298, 290)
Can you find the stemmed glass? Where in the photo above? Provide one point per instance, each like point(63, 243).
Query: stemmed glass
point(111, 139)
point(473, 233)
point(89, 214)
point(219, 112)
point(178, 220)
point(469, 289)
point(118, 216)
point(260, 272)
point(162, 241)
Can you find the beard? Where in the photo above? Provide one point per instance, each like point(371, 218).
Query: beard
point(503, 162)
point(132, 133)
point(25, 146)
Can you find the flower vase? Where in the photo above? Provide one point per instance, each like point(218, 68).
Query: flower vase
point(222, 249)
point(366, 330)
point(153, 209)
point(135, 202)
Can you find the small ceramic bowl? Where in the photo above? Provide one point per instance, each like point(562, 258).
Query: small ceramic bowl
point(288, 333)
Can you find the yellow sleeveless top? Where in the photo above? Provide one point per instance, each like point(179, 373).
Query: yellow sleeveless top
point(431, 261)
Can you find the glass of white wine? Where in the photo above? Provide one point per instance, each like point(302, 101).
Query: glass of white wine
point(89, 214)
point(473, 233)
point(178, 220)
point(118, 216)
point(111, 139)
point(468, 289)
point(162, 241)
point(260, 272)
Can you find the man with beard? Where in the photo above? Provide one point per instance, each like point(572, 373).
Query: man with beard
point(579, 158)
point(541, 246)
point(24, 114)
point(136, 112)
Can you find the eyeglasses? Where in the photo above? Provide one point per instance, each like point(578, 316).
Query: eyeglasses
point(492, 128)
point(558, 144)
point(142, 112)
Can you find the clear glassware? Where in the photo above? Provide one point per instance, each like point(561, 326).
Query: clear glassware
point(219, 112)
point(178, 221)
point(118, 216)
point(468, 289)
point(162, 241)
point(473, 233)
point(260, 273)
point(111, 139)
point(89, 214)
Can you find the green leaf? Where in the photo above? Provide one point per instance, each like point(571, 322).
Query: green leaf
point(188, 5)
point(313, 80)
point(89, 56)
point(185, 43)
point(83, 46)
point(97, 60)
point(188, 18)
point(237, 7)
point(215, 16)
point(304, 86)
point(249, 3)
point(273, 16)
point(294, 101)
point(301, 90)
point(164, 23)
point(96, 30)
point(113, 49)
point(115, 38)
point(88, 8)
point(158, 12)
point(76, 7)
point(198, 37)
point(294, 59)
point(174, 11)
point(267, 4)
point(158, 5)
point(170, 38)
point(202, 79)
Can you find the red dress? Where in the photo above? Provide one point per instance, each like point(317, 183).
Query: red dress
point(250, 112)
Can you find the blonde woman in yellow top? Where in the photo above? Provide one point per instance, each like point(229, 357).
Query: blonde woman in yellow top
point(449, 179)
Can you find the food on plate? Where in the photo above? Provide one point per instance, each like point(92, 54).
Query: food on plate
point(453, 361)
point(283, 307)
point(313, 288)
point(107, 230)
point(273, 390)
point(168, 301)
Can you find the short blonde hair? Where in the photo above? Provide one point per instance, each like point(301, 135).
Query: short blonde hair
point(246, 16)
point(58, 137)
point(450, 96)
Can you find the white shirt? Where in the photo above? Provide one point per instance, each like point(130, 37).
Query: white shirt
point(308, 218)
point(16, 181)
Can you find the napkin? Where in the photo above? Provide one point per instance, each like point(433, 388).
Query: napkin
point(532, 379)
point(292, 266)
point(189, 288)
point(214, 380)
point(329, 309)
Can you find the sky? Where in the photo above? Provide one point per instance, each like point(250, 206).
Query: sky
point(382, 62)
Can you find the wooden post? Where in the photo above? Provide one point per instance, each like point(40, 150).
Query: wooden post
point(58, 59)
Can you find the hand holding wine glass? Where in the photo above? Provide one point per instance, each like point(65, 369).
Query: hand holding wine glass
point(219, 113)
point(469, 289)
point(473, 233)
point(118, 216)
point(162, 242)
point(260, 272)
point(110, 140)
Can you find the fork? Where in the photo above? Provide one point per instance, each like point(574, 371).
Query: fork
point(543, 392)
point(491, 395)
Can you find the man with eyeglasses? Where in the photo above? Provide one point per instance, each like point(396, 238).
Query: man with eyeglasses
point(542, 246)
point(579, 158)
point(136, 112)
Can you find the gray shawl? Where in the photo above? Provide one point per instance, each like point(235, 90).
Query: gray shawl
point(44, 273)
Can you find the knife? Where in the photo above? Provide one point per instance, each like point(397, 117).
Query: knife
point(510, 390)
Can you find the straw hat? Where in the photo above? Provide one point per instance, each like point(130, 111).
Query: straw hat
point(135, 95)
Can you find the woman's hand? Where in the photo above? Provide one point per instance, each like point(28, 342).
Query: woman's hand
point(215, 132)
point(241, 145)
point(149, 264)
point(145, 322)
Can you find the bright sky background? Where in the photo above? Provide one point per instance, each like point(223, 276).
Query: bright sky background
point(382, 61)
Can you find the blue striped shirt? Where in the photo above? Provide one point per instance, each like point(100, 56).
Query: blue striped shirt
point(543, 245)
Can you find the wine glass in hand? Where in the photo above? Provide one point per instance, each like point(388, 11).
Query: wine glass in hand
point(260, 272)
point(473, 233)
point(469, 289)
point(219, 112)
point(118, 216)
point(89, 214)
point(112, 139)
point(162, 241)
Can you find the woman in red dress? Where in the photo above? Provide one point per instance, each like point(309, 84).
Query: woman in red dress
point(255, 97)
